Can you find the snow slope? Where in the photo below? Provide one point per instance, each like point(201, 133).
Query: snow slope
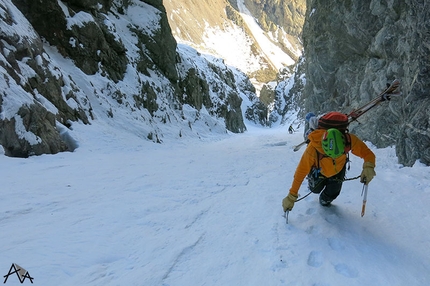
point(123, 211)
point(206, 27)
point(278, 58)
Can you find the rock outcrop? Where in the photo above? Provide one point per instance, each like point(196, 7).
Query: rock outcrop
point(33, 90)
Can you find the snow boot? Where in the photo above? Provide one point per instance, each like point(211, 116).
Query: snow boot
point(323, 201)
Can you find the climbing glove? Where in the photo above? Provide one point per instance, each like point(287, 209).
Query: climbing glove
point(288, 202)
point(368, 172)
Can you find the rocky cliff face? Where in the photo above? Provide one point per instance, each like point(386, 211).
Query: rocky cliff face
point(80, 60)
point(352, 49)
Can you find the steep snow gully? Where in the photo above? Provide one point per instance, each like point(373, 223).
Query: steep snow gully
point(122, 211)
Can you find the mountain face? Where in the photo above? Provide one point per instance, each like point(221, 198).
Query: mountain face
point(277, 15)
point(352, 49)
point(65, 62)
point(259, 37)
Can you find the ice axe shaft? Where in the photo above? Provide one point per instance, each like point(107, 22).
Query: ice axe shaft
point(286, 216)
point(363, 208)
point(364, 193)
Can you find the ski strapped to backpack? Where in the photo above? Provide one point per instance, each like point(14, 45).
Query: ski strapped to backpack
point(390, 91)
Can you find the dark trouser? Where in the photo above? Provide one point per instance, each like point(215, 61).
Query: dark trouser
point(330, 187)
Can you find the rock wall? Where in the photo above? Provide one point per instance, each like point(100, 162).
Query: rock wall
point(352, 49)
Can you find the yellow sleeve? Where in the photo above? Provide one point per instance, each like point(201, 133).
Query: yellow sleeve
point(360, 149)
point(305, 165)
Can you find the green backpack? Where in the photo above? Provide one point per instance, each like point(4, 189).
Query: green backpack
point(333, 143)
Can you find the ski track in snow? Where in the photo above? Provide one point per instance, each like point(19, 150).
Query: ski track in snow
point(119, 211)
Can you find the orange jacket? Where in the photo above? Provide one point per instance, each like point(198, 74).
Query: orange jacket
point(329, 167)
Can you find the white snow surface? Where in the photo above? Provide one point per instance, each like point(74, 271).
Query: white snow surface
point(276, 56)
point(120, 210)
point(233, 45)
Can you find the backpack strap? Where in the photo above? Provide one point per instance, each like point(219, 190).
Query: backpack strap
point(347, 142)
point(347, 148)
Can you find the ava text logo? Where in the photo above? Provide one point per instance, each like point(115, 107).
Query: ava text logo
point(20, 272)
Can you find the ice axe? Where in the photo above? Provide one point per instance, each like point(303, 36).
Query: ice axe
point(364, 194)
point(286, 216)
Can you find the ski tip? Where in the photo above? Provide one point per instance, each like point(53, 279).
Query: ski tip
point(394, 85)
